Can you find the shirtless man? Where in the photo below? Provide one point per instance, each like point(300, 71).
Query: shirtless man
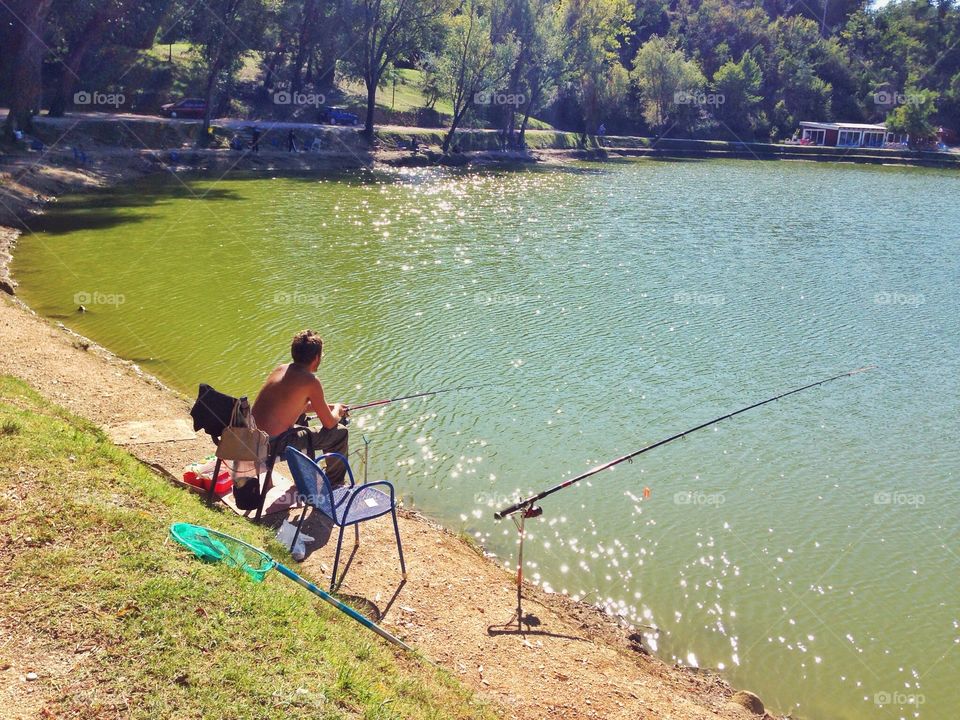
point(292, 390)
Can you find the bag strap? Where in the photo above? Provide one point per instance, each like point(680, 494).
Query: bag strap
point(235, 413)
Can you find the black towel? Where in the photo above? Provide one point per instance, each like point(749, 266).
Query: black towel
point(212, 411)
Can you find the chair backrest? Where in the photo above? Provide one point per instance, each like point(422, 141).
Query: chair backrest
point(312, 483)
point(213, 410)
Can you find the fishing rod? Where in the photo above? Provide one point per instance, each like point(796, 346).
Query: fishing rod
point(528, 502)
point(528, 509)
point(387, 401)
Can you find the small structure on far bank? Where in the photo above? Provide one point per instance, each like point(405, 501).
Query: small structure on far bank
point(850, 135)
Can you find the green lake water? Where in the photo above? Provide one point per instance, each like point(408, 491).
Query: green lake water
point(809, 550)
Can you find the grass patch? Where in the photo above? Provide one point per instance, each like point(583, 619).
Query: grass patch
point(87, 561)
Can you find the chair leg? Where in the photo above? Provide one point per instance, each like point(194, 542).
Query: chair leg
point(336, 561)
point(213, 482)
point(356, 535)
point(271, 461)
point(296, 535)
point(396, 530)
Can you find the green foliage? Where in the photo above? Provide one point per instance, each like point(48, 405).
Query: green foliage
point(593, 31)
point(472, 65)
point(570, 63)
point(914, 114)
point(738, 85)
point(670, 86)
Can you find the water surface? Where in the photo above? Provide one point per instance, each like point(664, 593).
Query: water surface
point(808, 550)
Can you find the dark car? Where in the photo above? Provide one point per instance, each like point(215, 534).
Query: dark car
point(338, 116)
point(185, 108)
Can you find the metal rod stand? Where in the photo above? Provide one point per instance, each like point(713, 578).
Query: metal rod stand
point(531, 511)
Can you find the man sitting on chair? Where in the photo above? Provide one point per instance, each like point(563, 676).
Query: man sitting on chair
point(292, 390)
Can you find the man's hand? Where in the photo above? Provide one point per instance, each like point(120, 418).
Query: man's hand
point(340, 411)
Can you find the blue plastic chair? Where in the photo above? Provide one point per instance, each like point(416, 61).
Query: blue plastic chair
point(345, 505)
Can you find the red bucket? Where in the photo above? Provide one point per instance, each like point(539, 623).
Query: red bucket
point(224, 483)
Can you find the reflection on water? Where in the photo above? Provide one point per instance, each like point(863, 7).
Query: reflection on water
point(808, 549)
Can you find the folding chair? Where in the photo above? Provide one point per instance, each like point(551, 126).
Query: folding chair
point(211, 413)
point(345, 505)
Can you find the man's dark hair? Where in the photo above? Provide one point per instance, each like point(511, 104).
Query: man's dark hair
point(306, 346)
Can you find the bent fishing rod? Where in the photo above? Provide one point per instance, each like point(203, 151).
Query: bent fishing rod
point(527, 504)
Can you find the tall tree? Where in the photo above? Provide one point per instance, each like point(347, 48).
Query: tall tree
point(545, 62)
point(224, 30)
point(25, 22)
point(738, 84)
point(669, 84)
point(472, 65)
point(594, 31)
point(383, 32)
point(914, 115)
point(800, 94)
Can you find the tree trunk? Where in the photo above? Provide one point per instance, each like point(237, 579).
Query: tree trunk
point(270, 70)
point(371, 106)
point(305, 43)
point(454, 122)
point(208, 100)
point(25, 59)
point(534, 96)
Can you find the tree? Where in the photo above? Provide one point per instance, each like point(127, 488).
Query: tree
point(738, 84)
point(224, 30)
point(384, 31)
point(86, 26)
point(25, 22)
point(914, 115)
point(543, 69)
point(472, 65)
point(593, 32)
point(801, 94)
point(670, 86)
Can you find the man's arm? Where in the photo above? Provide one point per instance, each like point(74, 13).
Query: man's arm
point(329, 415)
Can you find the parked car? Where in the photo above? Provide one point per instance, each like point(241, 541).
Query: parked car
point(185, 108)
point(338, 116)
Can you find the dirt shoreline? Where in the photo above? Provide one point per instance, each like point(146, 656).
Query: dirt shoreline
point(577, 663)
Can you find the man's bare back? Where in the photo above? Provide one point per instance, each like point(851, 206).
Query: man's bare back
point(288, 392)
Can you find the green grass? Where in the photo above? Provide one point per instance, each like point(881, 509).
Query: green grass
point(183, 56)
point(87, 562)
point(177, 52)
point(409, 95)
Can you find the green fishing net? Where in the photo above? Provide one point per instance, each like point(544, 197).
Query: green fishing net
point(211, 546)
